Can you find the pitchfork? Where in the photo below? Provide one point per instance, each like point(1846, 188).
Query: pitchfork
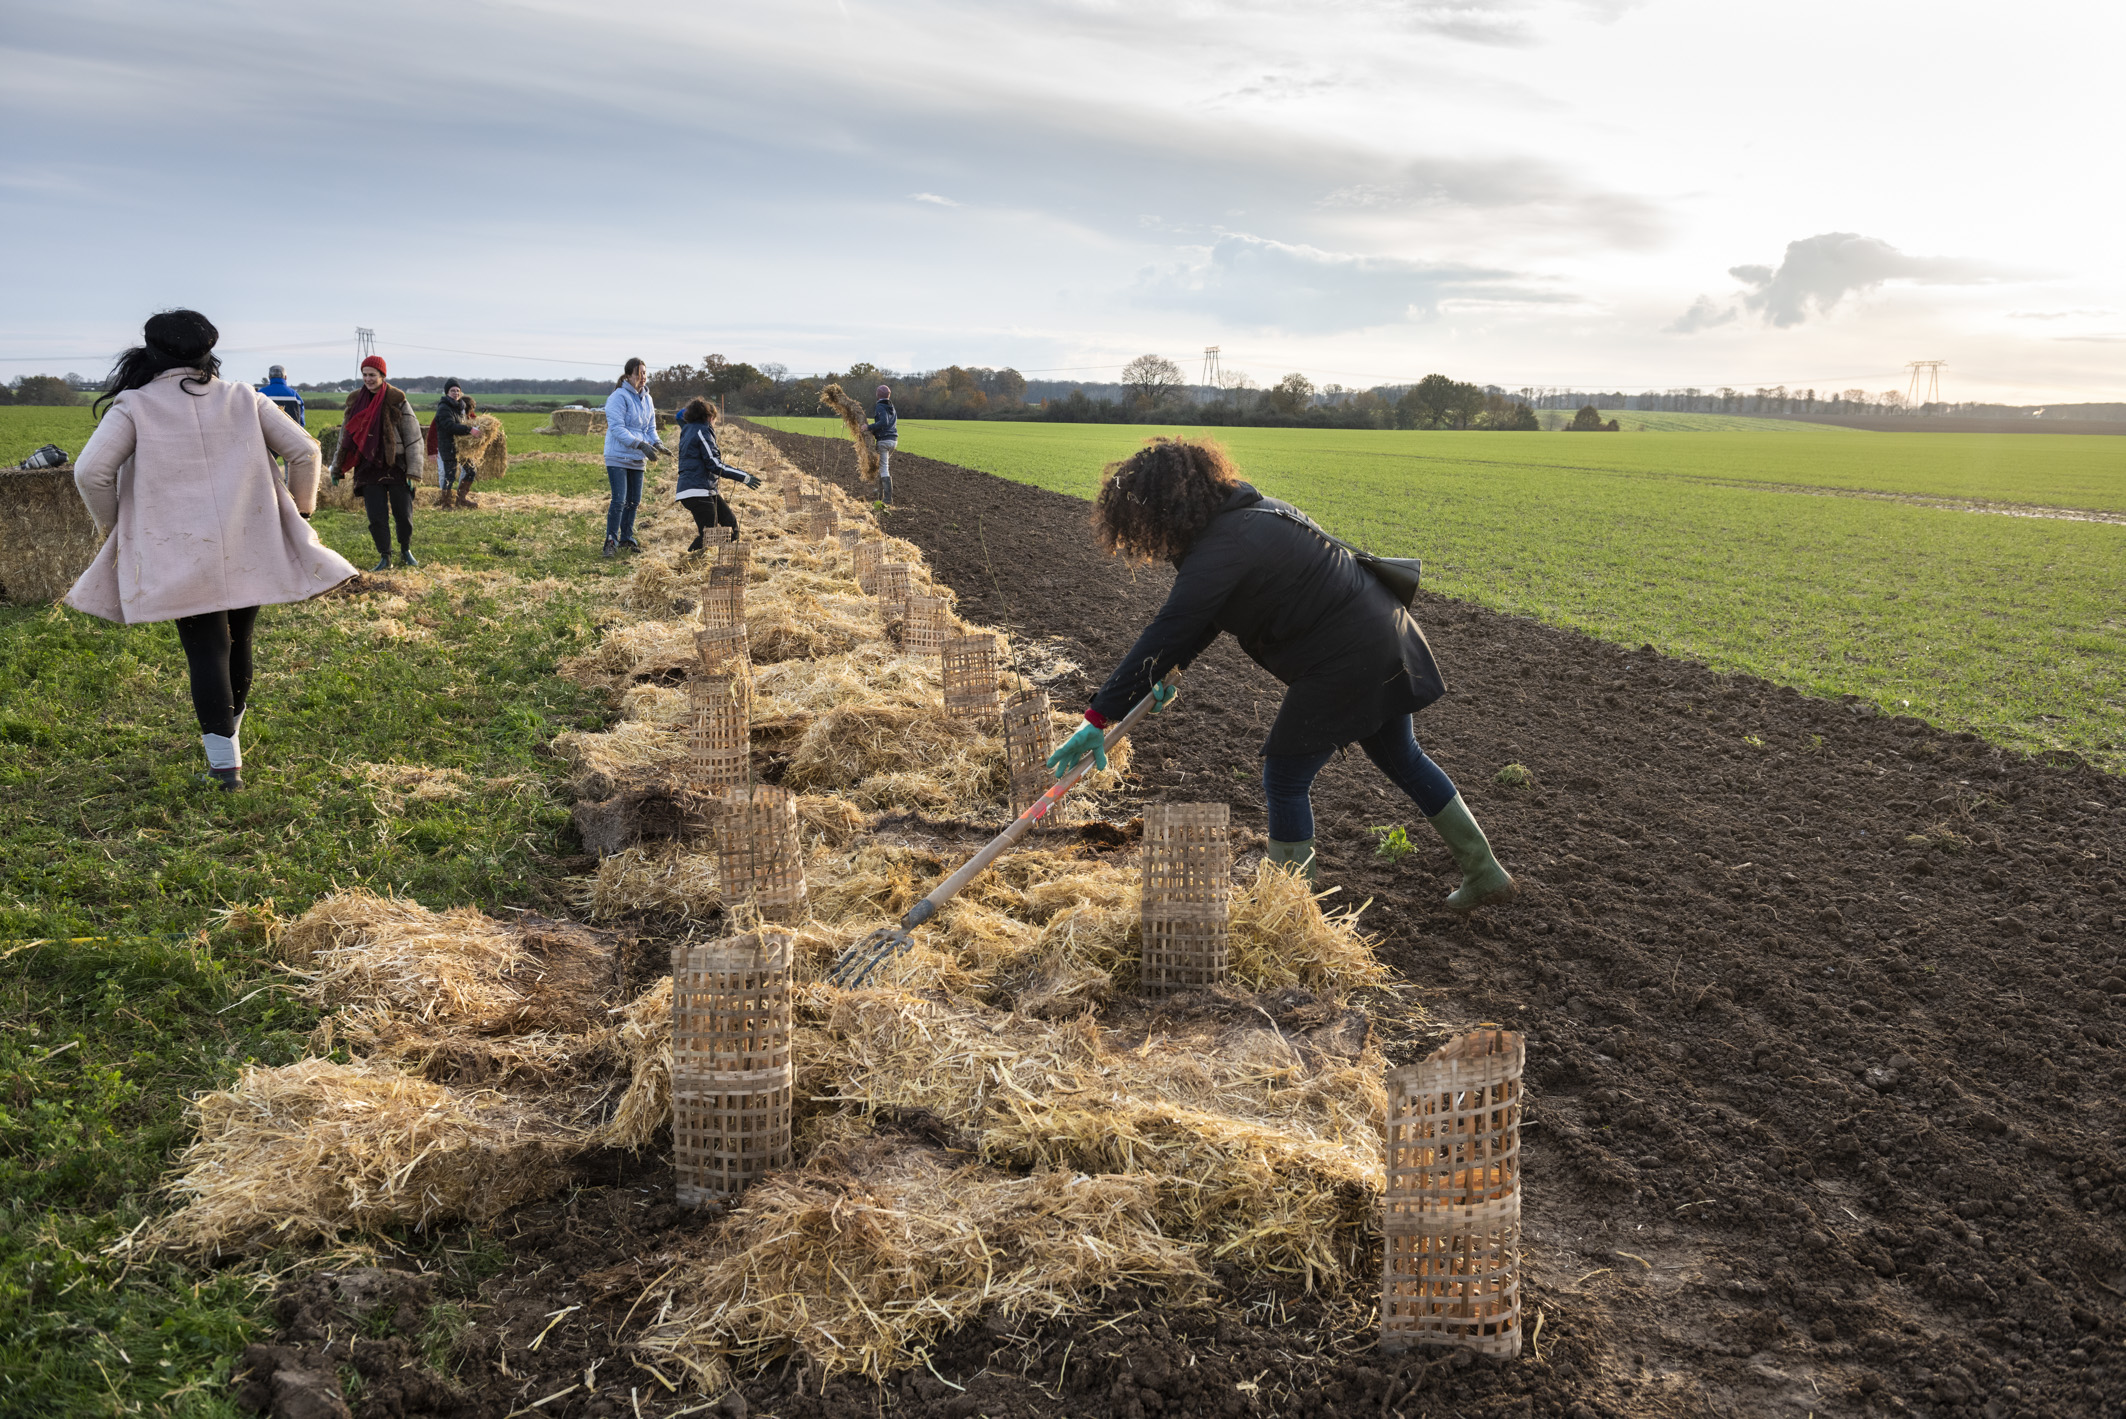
point(856, 965)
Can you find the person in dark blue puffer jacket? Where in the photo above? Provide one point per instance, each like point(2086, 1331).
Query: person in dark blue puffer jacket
point(701, 465)
point(885, 427)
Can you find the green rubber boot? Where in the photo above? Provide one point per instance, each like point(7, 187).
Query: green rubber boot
point(1299, 855)
point(1483, 880)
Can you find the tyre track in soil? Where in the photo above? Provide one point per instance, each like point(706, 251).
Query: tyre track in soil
point(1825, 1061)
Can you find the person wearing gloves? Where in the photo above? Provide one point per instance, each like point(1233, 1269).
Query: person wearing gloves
point(452, 422)
point(381, 442)
point(277, 389)
point(700, 466)
point(630, 439)
point(885, 429)
point(202, 531)
point(1354, 663)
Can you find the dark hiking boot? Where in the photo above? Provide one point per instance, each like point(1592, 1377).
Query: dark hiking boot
point(612, 548)
point(383, 562)
point(227, 780)
point(1483, 880)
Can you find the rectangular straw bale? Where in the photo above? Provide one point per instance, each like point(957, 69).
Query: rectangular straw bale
point(1029, 736)
point(579, 421)
point(1451, 1266)
point(721, 746)
point(732, 1072)
point(1188, 890)
point(926, 626)
point(892, 584)
point(723, 651)
point(723, 604)
point(868, 556)
point(971, 677)
point(759, 856)
point(47, 538)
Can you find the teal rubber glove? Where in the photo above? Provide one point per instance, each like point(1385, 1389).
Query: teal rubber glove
point(1162, 696)
point(1090, 739)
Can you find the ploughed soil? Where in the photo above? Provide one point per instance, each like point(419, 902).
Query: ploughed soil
point(1824, 1008)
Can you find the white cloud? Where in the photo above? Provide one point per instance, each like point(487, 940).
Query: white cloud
point(1253, 281)
point(1704, 314)
point(1820, 271)
point(932, 197)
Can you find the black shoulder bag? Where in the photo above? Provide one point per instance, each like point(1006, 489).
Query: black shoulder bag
point(1399, 574)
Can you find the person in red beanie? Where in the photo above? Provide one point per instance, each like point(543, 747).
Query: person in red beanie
point(381, 443)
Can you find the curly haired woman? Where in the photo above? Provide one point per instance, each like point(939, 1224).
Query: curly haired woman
point(1354, 663)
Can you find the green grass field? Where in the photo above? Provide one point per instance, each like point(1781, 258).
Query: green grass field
point(103, 1040)
point(1711, 547)
point(1655, 422)
point(24, 430)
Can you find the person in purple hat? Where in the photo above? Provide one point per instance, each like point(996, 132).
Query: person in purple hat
point(885, 426)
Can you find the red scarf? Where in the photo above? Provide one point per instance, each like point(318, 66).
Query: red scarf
point(358, 440)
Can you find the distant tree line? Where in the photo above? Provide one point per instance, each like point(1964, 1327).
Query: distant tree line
point(45, 389)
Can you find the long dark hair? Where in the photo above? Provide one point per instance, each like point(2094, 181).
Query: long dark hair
point(174, 340)
point(1157, 501)
point(629, 368)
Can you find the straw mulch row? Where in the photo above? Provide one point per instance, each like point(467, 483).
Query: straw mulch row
point(999, 1125)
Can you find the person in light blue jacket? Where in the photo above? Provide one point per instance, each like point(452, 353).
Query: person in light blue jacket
point(630, 438)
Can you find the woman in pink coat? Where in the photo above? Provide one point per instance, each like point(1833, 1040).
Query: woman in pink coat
point(180, 473)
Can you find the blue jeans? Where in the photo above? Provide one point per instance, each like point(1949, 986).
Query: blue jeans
point(627, 496)
point(1394, 750)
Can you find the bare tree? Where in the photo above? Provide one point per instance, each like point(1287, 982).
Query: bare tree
point(1151, 378)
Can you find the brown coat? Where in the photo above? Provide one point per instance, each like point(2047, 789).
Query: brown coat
point(198, 518)
point(401, 448)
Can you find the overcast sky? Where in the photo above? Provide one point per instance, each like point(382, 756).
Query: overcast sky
point(1589, 193)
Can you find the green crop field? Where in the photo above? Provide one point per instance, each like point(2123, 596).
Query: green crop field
point(1749, 553)
point(1655, 422)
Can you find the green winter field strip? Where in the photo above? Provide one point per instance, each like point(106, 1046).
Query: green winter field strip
point(2010, 627)
point(107, 836)
point(2087, 471)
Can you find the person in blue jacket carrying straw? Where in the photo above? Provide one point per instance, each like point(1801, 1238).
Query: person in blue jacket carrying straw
point(885, 428)
point(630, 440)
point(700, 466)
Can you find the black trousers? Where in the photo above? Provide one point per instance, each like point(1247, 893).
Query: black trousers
point(218, 653)
point(396, 500)
point(710, 513)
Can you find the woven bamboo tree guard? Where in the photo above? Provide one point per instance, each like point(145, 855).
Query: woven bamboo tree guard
point(720, 750)
point(971, 677)
point(868, 556)
point(1188, 889)
point(820, 525)
point(731, 564)
point(848, 537)
point(731, 1068)
point(793, 494)
point(1029, 735)
point(723, 651)
point(926, 626)
point(1451, 1271)
point(892, 584)
point(723, 604)
point(759, 857)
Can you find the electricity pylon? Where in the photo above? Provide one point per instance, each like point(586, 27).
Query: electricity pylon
point(1211, 372)
point(1930, 370)
point(364, 343)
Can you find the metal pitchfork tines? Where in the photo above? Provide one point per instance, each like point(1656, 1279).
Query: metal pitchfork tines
point(856, 965)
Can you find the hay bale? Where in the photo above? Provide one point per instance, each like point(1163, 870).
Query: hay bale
point(489, 451)
point(881, 1246)
point(576, 420)
point(852, 417)
point(314, 1149)
point(47, 538)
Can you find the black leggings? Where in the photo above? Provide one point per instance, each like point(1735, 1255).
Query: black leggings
point(709, 513)
point(397, 500)
point(218, 653)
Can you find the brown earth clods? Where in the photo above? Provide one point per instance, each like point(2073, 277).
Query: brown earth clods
point(1824, 1011)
